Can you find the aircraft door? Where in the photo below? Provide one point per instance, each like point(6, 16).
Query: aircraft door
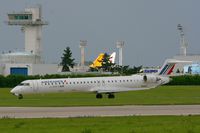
point(35, 86)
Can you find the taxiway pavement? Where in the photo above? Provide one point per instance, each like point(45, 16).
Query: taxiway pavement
point(65, 112)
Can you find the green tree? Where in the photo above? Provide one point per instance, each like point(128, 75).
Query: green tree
point(107, 65)
point(126, 70)
point(67, 60)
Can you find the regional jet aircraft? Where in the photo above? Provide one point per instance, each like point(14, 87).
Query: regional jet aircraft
point(98, 85)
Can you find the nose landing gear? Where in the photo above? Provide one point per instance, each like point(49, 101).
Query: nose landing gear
point(20, 96)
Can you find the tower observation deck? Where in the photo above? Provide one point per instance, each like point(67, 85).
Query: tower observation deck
point(31, 22)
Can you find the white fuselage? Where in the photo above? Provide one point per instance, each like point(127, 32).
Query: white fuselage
point(94, 84)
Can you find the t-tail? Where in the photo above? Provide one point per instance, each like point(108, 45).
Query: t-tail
point(167, 67)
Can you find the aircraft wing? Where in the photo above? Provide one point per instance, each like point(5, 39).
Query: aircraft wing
point(114, 89)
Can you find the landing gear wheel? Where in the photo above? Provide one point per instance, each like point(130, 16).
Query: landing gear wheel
point(111, 96)
point(99, 96)
point(20, 96)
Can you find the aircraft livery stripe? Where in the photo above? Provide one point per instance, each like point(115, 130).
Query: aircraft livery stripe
point(169, 67)
point(170, 71)
point(165, 67)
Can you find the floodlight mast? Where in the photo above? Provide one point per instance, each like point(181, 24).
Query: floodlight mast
point(83, 44)
point(183, 42)
point(120, 45)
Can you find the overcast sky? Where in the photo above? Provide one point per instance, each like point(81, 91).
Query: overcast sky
point(148, 27)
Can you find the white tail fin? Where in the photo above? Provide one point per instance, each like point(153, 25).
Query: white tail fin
point(167, 68)
point(112, 57)
point(169, 65)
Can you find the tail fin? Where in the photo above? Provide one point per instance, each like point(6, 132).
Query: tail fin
point(169, 65)
point(167, 68)
point(98, 61)
point(112, 57)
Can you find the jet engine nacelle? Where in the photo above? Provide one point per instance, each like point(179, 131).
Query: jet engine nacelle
point(145, 78)
point(151, 78)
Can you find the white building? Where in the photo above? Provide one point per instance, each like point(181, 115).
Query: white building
point(192, 58)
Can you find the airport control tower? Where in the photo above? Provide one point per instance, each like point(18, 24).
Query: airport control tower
point(31, 22)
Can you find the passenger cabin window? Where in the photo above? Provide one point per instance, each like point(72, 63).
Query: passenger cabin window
point(24, 84)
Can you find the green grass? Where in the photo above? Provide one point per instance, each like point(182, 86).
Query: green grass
point(132, 124)
point(161, 95)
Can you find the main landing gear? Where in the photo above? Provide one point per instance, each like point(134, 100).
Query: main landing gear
point(100, 96)
point(20, 96)
point(111, 95)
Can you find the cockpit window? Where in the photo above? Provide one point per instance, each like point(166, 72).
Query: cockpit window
point(24, 84)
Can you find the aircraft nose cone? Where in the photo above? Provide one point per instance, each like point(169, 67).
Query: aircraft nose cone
point(14, 90)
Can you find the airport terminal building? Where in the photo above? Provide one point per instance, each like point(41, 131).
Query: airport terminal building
point(181, 67)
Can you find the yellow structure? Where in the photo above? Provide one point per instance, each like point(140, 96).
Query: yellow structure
point(98, 61)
